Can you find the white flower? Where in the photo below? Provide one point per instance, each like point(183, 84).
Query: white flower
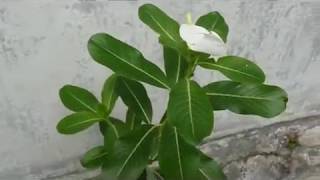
point(201, 40)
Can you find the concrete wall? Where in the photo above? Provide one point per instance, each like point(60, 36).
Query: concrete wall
point(43, 47)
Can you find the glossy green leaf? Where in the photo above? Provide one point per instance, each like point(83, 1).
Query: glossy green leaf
point(210, 169)
point(77, 122)
point(258, 99)
point(94, 157)
point(213, 21)
point(109, 94)
point(155, 147)
point(102, 110)
point(190, 111)
point(112, 129)
point(175, 65)
point(165, 26)
point(78, 99)
point(130, 155)
point(135, 96)
point(237, 69)
point(178, 160)
point(132, 120)
point(125, 60)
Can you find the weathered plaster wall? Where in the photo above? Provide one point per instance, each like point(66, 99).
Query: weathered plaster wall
point(43, 46)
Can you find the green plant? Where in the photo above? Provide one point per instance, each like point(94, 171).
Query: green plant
point(132, 147)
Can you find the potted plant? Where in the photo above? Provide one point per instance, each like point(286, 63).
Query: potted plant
point(140, 148)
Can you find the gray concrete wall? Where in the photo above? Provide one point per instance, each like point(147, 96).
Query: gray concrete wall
point(43, 47)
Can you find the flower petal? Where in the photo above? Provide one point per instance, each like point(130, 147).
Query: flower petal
point(201, 40)
point(192, 33)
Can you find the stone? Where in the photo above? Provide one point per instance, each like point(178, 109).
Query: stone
point(311, 137)
point(282, 151)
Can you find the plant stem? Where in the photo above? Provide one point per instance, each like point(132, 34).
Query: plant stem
point(195, 64)
point(192, 67)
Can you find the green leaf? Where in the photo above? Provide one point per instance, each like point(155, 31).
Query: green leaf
point(94, 157)
point(117, 126)
point(135, 96)
point(112, 129)
point(263, 100)
point(143, 176)
point(165, 26)
point(190, 111)
point(132, 120)
point(178, 160)
point(130, 155)
point(109, 94)
point(78, 99)
point(155, 147)
point(175, 65)
point(102, 110)
point(77, 122)
point(125, 60)
point(237, 69)
point(213, 21)
point(210, 169)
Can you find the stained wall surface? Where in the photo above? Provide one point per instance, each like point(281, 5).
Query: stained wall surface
point(43, 47)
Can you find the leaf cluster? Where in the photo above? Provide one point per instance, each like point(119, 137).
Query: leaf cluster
point(139, 148)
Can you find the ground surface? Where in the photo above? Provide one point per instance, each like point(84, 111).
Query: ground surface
point(283, 151)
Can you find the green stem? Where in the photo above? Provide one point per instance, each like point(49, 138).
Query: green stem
point(192, 68)
point(195, 65)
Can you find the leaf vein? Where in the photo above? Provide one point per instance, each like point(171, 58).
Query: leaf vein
point(133, 66)
point(229, 69)
point(135, 149)
point(79, 100)
point(163, 29)
point(190, 107)
point(204, 174)
point(178, 152)
point(83, 122)
point(137, 100)
point(239, 96)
